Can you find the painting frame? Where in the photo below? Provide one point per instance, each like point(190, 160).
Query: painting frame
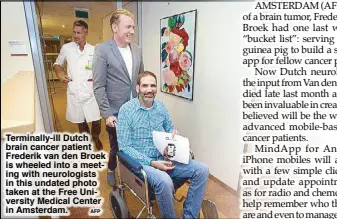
point(178, 79)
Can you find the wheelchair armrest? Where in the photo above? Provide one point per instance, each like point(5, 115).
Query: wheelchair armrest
point(129, 161)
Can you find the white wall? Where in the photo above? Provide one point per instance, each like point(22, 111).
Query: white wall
point(106, 29)
point(14, 27)
point(94, 37)
point(212, 120)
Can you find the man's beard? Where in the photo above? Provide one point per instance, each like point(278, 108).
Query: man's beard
point(148, 99)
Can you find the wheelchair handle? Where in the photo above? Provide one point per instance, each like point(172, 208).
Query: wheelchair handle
point(129, 161)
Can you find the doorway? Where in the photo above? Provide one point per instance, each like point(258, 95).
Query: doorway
point(50, 27)
point(55, 21)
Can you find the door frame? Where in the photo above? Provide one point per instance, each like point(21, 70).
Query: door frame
point(40, 78)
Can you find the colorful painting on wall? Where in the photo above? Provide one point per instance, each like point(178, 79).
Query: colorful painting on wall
point(177, 54)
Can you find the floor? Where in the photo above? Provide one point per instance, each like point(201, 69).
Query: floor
point(227, 203)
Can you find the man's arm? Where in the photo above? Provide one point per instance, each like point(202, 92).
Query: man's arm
point(167, 125)
point(58, 66)
point(99, 82)
point(124, 137)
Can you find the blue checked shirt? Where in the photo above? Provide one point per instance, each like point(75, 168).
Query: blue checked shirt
point(134, 129)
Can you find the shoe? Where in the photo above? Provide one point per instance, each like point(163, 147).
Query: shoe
point(98, 143)
point(111, 178)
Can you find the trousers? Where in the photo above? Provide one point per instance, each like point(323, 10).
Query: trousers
point(162, 185)
point(95, 131)
point(112, 164)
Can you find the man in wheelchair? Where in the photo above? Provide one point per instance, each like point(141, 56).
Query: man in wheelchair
point(137, 119)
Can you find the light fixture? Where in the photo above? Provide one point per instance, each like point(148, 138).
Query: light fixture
point(63, 26)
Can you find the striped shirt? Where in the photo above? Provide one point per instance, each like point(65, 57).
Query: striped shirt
point(134, 129)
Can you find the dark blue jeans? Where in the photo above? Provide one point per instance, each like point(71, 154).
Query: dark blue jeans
point(163, 187)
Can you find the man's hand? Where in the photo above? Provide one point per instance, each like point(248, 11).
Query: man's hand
point(162, 165)
point(60, 74)
point(174, 132)
point(166, 151)
point(110, 121)
point(65, 78)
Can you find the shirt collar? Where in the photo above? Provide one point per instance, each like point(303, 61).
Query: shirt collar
point(140, 106)
point(85, 46)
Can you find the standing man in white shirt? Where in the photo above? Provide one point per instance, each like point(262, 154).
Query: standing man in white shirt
point(117, 62)
point(81, 103)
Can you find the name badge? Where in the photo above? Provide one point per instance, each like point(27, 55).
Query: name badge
point(89, 64)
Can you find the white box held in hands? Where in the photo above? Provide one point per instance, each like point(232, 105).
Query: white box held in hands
point(178, 147)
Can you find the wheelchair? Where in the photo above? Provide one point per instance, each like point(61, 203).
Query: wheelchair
point(132, 177)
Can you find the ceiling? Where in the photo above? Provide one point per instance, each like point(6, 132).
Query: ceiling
point(56, 14)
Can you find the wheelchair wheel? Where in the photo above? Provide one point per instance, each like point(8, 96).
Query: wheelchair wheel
point(118, 205)
point(151, 216)
point(209, 209)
